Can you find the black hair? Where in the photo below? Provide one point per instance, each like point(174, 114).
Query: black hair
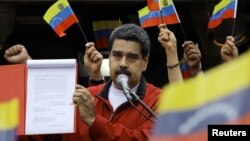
point(131, 32)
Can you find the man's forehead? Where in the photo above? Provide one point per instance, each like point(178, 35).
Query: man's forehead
point(126, 44)
point(133, 50)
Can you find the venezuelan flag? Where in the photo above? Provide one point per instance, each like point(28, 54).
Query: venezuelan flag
point(224, 10)
point(60, 17)
point(9, 116)
point(149, 18)
point(185, 71)
point(153, 5)
point(186, 109)
point(169, 14)
point(102, 31)
point(12, 85)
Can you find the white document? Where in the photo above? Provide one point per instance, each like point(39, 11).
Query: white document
point(50, 88)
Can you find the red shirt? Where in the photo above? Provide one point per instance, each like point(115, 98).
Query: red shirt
point(124, 124)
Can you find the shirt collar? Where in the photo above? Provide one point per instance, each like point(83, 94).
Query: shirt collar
point(140, 91)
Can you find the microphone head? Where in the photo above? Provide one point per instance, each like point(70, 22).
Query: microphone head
point(122, 80)
point(121, 77)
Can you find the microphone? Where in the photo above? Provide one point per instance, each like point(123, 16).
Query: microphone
point(122, 79)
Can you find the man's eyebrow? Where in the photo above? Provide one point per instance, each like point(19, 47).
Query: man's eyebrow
point(116, 51)
point(133, 54)
point(129, 53)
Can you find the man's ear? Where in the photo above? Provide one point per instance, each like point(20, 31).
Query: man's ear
point(145, 62)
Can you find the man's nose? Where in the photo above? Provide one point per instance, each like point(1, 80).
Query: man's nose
point(123, 62)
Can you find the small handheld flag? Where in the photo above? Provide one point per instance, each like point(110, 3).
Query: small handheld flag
point(102, 30)
point(224, 10)
point(169, 13)
point(9, 118)
point(149, 18)
point(158, 12)
point(153, 5)
point(60, 17)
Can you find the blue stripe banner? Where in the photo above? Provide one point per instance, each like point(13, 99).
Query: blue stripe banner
point(219, 14)
point(61, 16)
point(186, 109)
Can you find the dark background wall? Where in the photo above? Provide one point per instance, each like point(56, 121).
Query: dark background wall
point(43, 43)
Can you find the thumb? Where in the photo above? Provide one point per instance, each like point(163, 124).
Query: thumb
point(162, 26)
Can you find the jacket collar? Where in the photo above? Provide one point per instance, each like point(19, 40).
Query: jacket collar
point(140, 91)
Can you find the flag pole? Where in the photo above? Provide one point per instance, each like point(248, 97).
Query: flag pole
point(85, 40)
point(183, 32)
point(84, 36)
point(160, 12)
point(235, 12)
point(182, 29)
point(233, 27)
point(161, 17)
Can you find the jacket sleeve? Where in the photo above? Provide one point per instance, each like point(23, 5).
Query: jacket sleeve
point(103, 129)
point(54, 137)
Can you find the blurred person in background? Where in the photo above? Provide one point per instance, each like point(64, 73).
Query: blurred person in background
point(13, 54)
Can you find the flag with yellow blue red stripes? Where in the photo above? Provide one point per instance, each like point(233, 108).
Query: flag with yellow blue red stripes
point(60, 16)
point(9, 117)
point(220, 96)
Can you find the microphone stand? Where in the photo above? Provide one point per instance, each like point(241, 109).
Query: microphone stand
point(143, 104)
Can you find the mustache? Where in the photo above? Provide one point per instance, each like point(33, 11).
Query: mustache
point(122, 71)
